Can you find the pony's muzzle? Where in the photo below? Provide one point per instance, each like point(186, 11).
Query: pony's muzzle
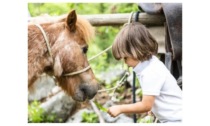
point(89, 90)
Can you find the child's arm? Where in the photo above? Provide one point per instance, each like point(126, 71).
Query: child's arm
point(140, 107)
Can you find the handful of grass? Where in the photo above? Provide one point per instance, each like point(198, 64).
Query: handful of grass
point(99, 106)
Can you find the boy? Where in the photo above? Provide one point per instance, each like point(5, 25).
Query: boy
point(161, 94)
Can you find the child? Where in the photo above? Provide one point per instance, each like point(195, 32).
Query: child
point(161, 94)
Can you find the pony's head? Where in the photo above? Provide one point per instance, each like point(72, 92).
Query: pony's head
point(68, 39)
point(69, 51)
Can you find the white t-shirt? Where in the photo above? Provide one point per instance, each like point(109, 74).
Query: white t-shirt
point(155, 79)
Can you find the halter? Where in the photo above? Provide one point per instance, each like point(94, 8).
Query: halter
point(50, 53)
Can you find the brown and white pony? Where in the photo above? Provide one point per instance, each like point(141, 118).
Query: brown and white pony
point(68, 40)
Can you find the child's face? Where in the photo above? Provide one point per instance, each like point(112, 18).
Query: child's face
point(131, 62)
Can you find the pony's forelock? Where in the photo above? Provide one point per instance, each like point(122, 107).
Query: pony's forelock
point(85, 28)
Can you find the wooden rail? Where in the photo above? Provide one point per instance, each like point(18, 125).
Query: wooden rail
point(120, 19)
point(108, 19)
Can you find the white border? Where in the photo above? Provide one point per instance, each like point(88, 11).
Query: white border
point(13, 54)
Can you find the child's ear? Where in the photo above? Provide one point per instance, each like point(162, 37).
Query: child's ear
point(57, 67)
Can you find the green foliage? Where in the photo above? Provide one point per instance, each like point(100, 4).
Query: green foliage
point(89, 117)
point(81, 8)
point(146, 119)
point(36, 114)
point(48, 8)
point(126, 8)
point(139, 92)
point(99, 106)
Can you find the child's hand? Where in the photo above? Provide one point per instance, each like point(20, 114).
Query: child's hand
point(114, 111)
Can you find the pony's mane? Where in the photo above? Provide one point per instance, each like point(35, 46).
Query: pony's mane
point(85, 28)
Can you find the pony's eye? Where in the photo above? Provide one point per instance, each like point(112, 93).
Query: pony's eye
point(85, 49)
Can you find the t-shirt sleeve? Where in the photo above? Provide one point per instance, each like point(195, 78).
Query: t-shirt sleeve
point(152, 82)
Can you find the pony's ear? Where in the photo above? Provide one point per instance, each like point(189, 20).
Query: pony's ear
point(57, 67)
point(71, 20)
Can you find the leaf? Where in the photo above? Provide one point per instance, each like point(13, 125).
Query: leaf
point(103, 109)
point(146, 119)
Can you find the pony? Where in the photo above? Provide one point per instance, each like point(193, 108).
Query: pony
point(68, 43)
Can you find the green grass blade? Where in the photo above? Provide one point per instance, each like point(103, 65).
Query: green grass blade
point(103, 109)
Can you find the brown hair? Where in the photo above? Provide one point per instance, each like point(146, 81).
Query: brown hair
point(135, 41)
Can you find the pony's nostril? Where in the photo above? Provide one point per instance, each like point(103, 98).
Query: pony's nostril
point(89, 91)
point(84, 90)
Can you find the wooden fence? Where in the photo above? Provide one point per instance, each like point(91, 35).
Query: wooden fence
point(155, 23)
